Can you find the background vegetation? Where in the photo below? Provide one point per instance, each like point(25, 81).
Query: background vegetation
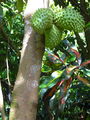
point(77, 98)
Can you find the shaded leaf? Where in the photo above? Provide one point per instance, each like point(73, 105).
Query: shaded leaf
point(67, 84)
point(88, 25)
point(55, 59)
point(51, 91)
point(84, 80)
point(78, 55)
point(85, 63)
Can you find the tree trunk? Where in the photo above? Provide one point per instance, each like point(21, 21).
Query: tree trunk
point(2, 104)
point(87, 36)
point(25, 93)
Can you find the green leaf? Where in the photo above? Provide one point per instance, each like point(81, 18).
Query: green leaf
point(46, 69)
point(57, 73)
point(71, 58)
point(44, 81)
point(20, 5)
point(88, 25)
point(86, 72)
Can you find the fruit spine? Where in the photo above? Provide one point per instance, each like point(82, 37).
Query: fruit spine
point(52, 21)
point(69, 19)
point(52, 37)
point(42, 20)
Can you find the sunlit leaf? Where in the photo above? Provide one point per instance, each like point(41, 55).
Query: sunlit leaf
point(55, 59)
point(20, 5)
point(51, 91)
point(76, 52)
point(70, 69)
point(45, 82)
point(46, 69)
point(86, 72)
point(57, 73)
point(71, 59)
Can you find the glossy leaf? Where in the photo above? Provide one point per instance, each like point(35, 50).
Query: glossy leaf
point(46, 69)
point(76, 53)
point(55, 59)
point(51, 91)
point(86, 72)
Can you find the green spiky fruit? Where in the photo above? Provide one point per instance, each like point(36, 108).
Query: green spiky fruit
point(42, 20)
point(56, 10)
point(52, 37)
point(70, 19)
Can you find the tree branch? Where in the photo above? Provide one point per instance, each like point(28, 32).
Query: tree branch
point(87, 35)
point(2, 103)
point(62, 3)
point(84, 11)
point(75, 3)
point(82, 7)
point(81, 45)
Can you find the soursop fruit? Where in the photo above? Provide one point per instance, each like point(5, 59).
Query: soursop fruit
point(69, 19)
point(42, 20)
point(52, 37)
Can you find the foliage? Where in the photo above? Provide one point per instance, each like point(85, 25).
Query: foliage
point(11, 34)
point(62, 94)
point(62, 87)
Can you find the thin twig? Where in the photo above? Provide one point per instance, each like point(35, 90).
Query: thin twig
point(7, 65)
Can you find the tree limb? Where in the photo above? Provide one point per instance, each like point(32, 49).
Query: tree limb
point(2, 104)
point(62, 3)
point(81, 45)
point(75, 3)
